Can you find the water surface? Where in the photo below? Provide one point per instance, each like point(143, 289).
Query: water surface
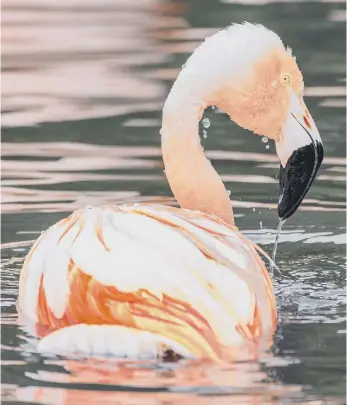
point(83, 87)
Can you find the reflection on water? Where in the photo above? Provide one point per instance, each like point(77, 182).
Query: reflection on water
point(54, 164)
point(83, 87)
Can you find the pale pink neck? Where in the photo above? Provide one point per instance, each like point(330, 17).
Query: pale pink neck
point(192, 178)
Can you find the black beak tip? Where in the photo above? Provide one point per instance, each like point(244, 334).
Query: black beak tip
point(284, 212)
point(296, 178)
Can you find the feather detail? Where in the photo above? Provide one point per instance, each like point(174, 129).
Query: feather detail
point(185, 276)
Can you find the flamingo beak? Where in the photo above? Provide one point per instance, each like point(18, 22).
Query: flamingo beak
point(301, 153)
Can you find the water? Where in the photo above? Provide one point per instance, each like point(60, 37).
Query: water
point(83, 87)
point(274, 250)
point(206, 123)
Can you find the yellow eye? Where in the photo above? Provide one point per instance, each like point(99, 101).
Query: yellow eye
point(286, 79)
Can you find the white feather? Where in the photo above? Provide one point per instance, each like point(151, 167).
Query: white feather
point(108, 339)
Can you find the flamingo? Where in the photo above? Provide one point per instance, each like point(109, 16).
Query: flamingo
point(144, 280)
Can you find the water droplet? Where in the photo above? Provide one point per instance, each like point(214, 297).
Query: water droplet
point(202, 148)
point(265, 139)
point(267, 146)
point(213, 107)
point(229, 192)
point(253, 209)
point(274, 250)
point(206, 122)
point(261, 224)
point(204, 134)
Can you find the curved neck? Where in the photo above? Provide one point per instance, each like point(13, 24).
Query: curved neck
point(193, 180)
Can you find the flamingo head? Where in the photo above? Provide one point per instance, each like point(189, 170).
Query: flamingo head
point(248, 73)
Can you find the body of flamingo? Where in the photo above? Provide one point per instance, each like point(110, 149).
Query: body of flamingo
point(144, 280)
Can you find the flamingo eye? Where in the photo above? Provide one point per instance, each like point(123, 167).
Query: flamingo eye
point(286, 79)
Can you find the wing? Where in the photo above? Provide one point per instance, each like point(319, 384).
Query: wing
point(183, 275)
